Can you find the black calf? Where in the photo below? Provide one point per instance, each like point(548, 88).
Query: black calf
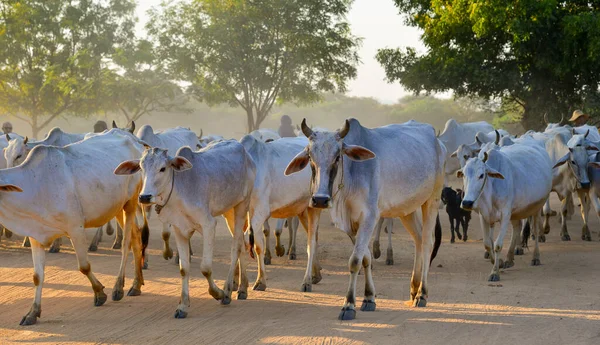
point(457, 215)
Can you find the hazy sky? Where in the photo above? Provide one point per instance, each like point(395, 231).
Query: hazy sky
point(380, 26)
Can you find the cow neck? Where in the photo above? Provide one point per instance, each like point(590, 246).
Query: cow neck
point(158, 207)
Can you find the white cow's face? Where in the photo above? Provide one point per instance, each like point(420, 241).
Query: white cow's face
point(465, 152)
point(324, 153)
point(158, 171)
point(475, 175)
point(16, 152)
point(577, 160)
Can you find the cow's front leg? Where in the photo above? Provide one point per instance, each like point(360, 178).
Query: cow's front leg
point(39, 262)
point(564, 233)
point(267, 234)
point(279, 248)
point(55, 247)
point(376, 243)
point(310, 220)
point(487, 239)
point(363, 237)
point(504, 222)
point(96, 240)
point(182, 242)
point(585, 208)
point(389, 257)
point(514, 238)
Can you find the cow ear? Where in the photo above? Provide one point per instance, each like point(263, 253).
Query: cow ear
point(454, 154)
point(561, 161)
point(298, 163)
point(128, 167)
point(357, 153)
point(459, 174)
point(494, 173)
point(10, 188)
point(594, 164)
point(180, 164)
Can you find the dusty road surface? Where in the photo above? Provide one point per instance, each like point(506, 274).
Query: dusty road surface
point(556, 303)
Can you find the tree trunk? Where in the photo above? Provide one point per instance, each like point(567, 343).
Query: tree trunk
point(35, 130)
point(250, 120)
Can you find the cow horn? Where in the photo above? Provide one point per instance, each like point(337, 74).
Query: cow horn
point(497, 137)
point(201, 132)
point(562, 120)
point(7, 138)
point(477, 140)
point(131, 127)
point(438, 133)
point(305, 129)
point(485, 157)
point(344, 131)
point(25, 141)
point(586, 133)
point(114, 124)
point(573, 131)
point(546, 118)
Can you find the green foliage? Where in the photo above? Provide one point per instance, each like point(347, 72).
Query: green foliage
point(252, 53)
point(543, 55)
point(52, 60)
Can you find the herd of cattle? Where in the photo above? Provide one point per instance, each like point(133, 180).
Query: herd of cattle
point(67, 183)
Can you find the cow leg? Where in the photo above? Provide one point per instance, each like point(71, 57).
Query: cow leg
point(504, 223)
point(487, 239)
point(413, 226)
point(465, 226)
point(208, 243)
point(119, 237)
point(361, 248)
point(368, 303)
point(519, 244)
point(39, 262)
point(429, 210)
point(7, 233)
point(293, 227)
point(240, 277)
point(595, 202)
point(564, 233)
point(109, 228)
point(457, 227)
point(136, 247)
point(237, 245)
point(376, 244)
point(166, 235)
point(585, 208)
point(389, 260)
point(257, 221)
point(94, 244)
point(537, 228)
point(310, 221)
point(182, 243)
point(26, 242)
point(279, 248)
point(79, 245)
point(514, 238)
point(267, 234)
point(117, 293)
point(55, 247)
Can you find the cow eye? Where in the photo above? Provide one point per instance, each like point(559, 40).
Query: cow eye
point(162, 169)
point(337, 159)
point(573, 162)
point(466, 157)
point(19, 156)
point(480, 176)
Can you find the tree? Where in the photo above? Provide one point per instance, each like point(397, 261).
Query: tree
point(542, 55)
point(252, 53)
point(54, 55)
point(138, 86)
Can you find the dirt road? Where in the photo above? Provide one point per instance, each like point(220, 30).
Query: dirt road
point(556, 303)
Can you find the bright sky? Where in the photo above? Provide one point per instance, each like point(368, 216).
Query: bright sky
point(380, 26)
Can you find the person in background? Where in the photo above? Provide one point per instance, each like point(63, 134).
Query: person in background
point(286, 129)
point(7, 127)
point(100, 126)
point(579, 118)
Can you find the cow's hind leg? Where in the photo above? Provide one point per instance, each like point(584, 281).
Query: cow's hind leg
point(237, 245)
point(39, 262)
point(208, 243)
point(389, 259)
point(96, 240)
point(515, 237)
point(240, 277)
point(55, 247)
point(413, 226)
point(78, 241)
point(585, 208)
point(293, 227)
point(118, 293)
point(310, 220)
point(429, 210)
point(376, 243)
point(537, 228)
point(26, 242)
point(119, 237)
point(279, 248)
point(564, 233)
point(267, 235)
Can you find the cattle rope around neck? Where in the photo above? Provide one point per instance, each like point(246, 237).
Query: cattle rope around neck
point(485, 178)
point(341, 185)
point(158, 207)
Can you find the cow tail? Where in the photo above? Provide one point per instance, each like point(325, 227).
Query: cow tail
point(438, 238)
point(251, 239)
point(145, 238)
point(526, 234)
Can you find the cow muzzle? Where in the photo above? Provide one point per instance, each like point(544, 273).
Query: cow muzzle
point(467, 205)
point(320, 201)
point(145, 198)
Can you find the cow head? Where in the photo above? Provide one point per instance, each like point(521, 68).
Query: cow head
point(577, 159)
point(16, 151)
point(465, 152)
point(324, 152)
point(475, 176)
point(129, 129)
point(157, 169)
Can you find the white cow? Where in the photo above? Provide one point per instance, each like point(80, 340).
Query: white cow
point(363, 174)
point(505, 185)
point(387, 224)
point(60, 192)
point(264, 134)
point(171, 139)
point(189, 191)
point(279, 196)
point(207, 139)
point(455, 134)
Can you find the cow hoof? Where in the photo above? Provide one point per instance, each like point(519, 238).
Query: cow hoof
point(543, 239)
point(419, 302)
point(226, 300)
point(28, 320)
point(168, 254)
point(563, 237)
point(93, 248)
point(552, 214)
point(267, 260)
point(389, 262)
point(586, 237)
point(508, 264)
point(280, 251)
point(347, 314)
point(242, 295)
point(292, 256)
point(134, 292)
point(452, 240)
point(535, 262)
point(368, 305)
point(180, 314)
point(494, 277)
point(117, 295)
point(486, 255)
point(465, 239)
point(458, 235)
point(54, 249)
point(306, 288)
point(519, 251)
point(376, 250)
point(116, 245)
point(260, 286)
point(316, 278)
point(99, 299)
